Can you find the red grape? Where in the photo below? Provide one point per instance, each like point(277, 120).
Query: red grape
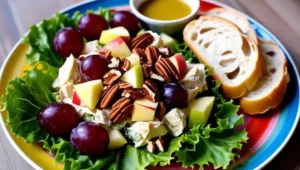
point(92, 25)
point(127, 20)
point(175, 95)
point(94, 67)
point(90, 138)
point(57, 118)
point(68, 41)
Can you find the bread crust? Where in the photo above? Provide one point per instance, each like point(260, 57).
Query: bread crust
point(241, 17)
point(272, 99)
point(228, 91)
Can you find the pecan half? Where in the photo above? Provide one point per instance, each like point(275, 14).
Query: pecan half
point(152, 55)
point(111, 76)
point(125, 64)
point(166, 69)
point(142, 41)
point(141, 53)
point(121, 110)
point(124, 85)
point(161, 110)
point(108, 95)
point(135, 94)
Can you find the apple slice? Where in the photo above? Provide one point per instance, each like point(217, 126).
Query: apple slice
point(89, 92)
point(166, 39)
point(180, 64)
point(134, 60)
point(75, 99)
point(134, 76)
point(108, 35)
point(118, 48)
point(143, 110)
point(200, 110)
point(116, 139)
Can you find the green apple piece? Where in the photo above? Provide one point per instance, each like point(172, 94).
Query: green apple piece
point(89, 92)
point(167, 40)
point(134, 76)
point(200, 110)
point(143, 110)
point(116, 139)
point(134, 60)
point(110, 34)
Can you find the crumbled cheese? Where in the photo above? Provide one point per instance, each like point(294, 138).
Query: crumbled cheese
point(175, 121)
point(194, 80)
point(142, 132)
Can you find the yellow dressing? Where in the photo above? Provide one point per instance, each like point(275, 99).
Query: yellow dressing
point(165, 9)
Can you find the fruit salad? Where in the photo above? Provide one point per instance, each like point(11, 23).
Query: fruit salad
point(105, 93)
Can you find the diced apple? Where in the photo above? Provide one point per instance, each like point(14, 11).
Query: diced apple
point(180, 64)
point(108, 35)
point(89, 92)
point(134, 76)
point(134, 60)
point(75, 99)
point(200, 110)
point(166, 39)
point(143, 110)
point(116, 139)
point(118, 48)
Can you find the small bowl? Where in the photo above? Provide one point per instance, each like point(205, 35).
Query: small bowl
point(166, 26)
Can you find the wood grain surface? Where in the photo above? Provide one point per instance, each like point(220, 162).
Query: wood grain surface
point(281, 17)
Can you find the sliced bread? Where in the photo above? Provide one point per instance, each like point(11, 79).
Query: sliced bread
point(234, 56)
point(271, 86)
point(235, 17)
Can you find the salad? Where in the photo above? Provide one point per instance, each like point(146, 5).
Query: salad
point(102, 92)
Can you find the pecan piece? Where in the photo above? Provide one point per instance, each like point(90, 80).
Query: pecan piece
point(111, 76)
point(151, 146)
point(114, 62)
point(108, 95)
point(142, 41)
point(134, 94)
point(160, 144)
point(121, 110)
point(125, 64)
point(166, 69)
point(141, 53)
point(124, 85)
point(166, 52)
point(152, 55)
point(152, 92)
point(160, 112)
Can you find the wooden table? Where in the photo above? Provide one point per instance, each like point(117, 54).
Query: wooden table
point(280, 16)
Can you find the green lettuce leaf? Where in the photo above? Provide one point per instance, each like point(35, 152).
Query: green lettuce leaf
point(136, 159)
point(214, 143)
point(25, 96)
point(41, 36)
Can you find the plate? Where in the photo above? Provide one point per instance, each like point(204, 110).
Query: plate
point(267, 133)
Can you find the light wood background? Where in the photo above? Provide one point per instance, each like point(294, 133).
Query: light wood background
point(282, 17)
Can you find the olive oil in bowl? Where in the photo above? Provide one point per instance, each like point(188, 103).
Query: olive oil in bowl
point(165, 9)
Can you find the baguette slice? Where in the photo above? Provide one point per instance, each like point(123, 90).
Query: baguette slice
point(235, 17)
point(271, 86)
point(234, 56)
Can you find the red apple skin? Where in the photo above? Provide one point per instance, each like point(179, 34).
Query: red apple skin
point(113, 44)
point(180, 63)
point(76, 99)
